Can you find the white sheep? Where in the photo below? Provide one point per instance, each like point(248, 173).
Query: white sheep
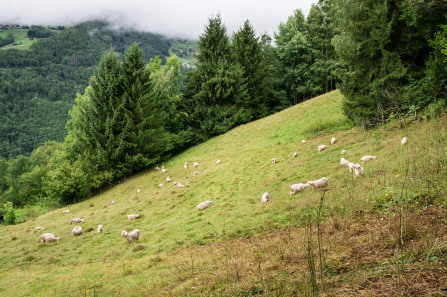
point(298, 188)
point(163, 170)
point(138, 191)
point(332, 140)
point(204, 205)
point(77, 231)
point(196, 164)
point(134, 235)
point(265, 197)
point(100, 228)
point(168, 179)
point(133, 216)
point(180, 185)
point(218, 161)
point(343, 161)
point(274, 160)
point(175, 183)
point(186, 165)
point(76, 220)
point(163, 167)
point(321, 147)
point(295, 154)
point(322, 182)
point(66, 211)
point(351, 166)
point(303, 141)
point(113, 202)
point(367, 158)
point(343, 152)
point(196, 172)
point(49, 237)
point(358, 170)
point(404, 141)
point(157, 168)
point(160, 185)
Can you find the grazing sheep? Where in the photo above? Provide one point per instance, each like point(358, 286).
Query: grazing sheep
point(351, 166)
point(204, 205)
point(332, 140)
point(100, 228)
point(163, 170)
point(265, 197)
point(76, 220)
point(134, 235)
point(343, 152)
point(186, 165)
point(168, 179)
point(303, 141)
point(298, 188)
point(113, 202)
point(367, 158)
point(404, 141)
point(175, 183)
point(157, 168)
point(133, 216)
point(358, 170)
point(39, 228)
point(322, 182)
point(66, 211)
point(77, 231)
point(160, 185)
point(343, 161)
point(196, 164)
point(196, 172)
point(218, 161)
point(274, 160)
point(321, 147)
point(180, 185)
point(49, 237)
point(295, 154)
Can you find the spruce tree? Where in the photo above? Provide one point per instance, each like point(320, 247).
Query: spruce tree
point(248, 53)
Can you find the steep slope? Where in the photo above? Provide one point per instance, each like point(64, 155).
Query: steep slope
point(169, 259)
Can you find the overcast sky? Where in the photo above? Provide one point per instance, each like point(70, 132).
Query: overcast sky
point(186, 18)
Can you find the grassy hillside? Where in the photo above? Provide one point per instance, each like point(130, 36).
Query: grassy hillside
point(19, 38)
point(185, 50)
point(240, 247)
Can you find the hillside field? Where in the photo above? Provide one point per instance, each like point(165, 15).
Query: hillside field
point(378, 235)
point(19, 39)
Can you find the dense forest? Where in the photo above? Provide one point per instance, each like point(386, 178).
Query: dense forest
point(38, 87)
point(388, 58)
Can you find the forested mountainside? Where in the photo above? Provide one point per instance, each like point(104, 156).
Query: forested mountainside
point(38, 86)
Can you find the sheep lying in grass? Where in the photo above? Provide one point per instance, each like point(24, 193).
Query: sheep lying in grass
point(367, 158)
point(196, 172)
point(76, 220)
point(332, 140)
point(295, 154)
point(180, 185)
point(185, 165)
point(303, 141)
point(404, 141)
point(204, 205)
point(113, 202)
point(274, 160)
point(163, 170)
point(343, 152)
point(100, 228)
point(321, 147)
point(265, 197)
point(168, 179)
point(321, 183)
point(175, 183)
point(343, 161)
point(157, 168)
point(196, 164)
point(218, 161)
point(49, 237)
point(358, 170)
point(66, 211)
point(351, 166)
point(77, 231)
point(160, 185)
point(134, 235)
point(133, 216)
point(298, 188)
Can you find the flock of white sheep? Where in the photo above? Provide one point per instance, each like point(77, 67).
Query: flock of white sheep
point(356, 168)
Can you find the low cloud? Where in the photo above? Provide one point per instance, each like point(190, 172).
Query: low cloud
point(172, 18)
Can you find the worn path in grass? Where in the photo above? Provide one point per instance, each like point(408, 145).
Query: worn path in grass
point(172, 228)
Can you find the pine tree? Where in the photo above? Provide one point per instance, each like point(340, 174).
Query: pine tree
point(248, 53)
